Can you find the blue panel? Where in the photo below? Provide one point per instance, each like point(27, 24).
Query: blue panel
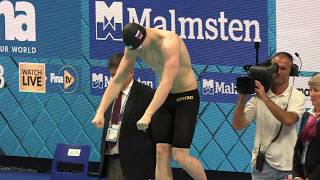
point(8, 102)
point(3, 124)
point(239, 162)
point(9, 141)
point(69, 126)
point(226, 137)
point(20, 151)
point(33, 143)
point(54, 139)
point(213, 124)
point(56, 107)
point(32, 106)
point(45, 153)
point(213, 156)
point(82, 109)
point(44, 125)
point(200, 139)
point(226, 166)
point(19, 123)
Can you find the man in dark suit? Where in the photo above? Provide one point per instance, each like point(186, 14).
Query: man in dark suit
point(132, 155)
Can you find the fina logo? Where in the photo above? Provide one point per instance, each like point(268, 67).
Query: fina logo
point(211, 87)
point(109, 23)
point(18, 26)
point(67, 79)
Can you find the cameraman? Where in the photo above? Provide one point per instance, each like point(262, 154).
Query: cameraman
point(282, 105)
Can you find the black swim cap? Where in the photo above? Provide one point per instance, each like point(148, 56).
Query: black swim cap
point(133, 35)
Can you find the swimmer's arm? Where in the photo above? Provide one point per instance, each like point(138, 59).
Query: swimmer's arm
point(116, 82)
point(170, 51)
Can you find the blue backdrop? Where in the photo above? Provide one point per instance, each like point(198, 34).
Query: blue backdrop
point(31, 124)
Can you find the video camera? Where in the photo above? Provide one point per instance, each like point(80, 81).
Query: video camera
point(262, 72)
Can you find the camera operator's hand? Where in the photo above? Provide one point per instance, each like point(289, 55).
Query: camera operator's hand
point(260, 90)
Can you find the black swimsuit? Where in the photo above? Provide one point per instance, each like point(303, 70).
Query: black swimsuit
point(176, 119)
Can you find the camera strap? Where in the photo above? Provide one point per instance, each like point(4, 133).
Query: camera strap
point(278, 134)
point(275, 138)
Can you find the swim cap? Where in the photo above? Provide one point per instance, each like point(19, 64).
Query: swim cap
point(133, 35)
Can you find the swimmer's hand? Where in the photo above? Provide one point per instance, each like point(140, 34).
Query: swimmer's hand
point(144, 122)
point(98, 120)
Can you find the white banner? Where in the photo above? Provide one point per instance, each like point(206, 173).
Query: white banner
point(298, 28)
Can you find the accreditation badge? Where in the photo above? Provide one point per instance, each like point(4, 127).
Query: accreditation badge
point(113, 133)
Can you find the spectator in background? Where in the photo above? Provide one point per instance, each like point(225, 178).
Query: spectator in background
point(306, 160)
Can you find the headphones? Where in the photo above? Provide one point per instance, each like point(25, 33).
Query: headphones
point(294, 71)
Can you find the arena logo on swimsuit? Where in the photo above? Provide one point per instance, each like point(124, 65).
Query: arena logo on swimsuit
point(184, 98)
point(109, 22)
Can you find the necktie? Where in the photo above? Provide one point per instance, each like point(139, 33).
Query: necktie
point(310, 129)
point(115, 117)
point(116, 110)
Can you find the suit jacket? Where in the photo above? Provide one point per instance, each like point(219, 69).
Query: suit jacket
point(136, 148)
point(312, 161)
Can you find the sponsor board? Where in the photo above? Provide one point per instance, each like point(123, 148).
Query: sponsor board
point(100, 79)
point(32, 77)
point(216, 33)
point(219, 87)
point(30, 28)
point(42, 78)
point(66, 79)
